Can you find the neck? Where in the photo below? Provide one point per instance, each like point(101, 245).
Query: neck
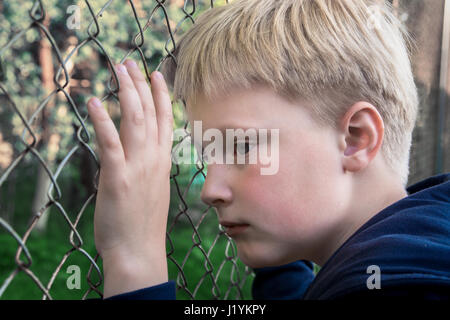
point(370, 194)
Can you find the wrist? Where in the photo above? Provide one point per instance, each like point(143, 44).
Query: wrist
point(126, 272)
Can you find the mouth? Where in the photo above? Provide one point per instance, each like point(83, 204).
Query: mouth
point(234, 229)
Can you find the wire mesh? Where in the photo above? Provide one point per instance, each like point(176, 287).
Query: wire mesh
point(194, 238)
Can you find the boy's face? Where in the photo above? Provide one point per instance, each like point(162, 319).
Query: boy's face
point(293, 214)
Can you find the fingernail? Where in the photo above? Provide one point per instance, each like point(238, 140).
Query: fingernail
point(96, 102)
point(159, 75)
point(131, 63)
point(121, 68)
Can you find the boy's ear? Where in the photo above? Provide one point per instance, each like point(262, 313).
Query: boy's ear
point(362, 131)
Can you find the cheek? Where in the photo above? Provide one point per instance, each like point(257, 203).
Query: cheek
point(271, 201)
point(298, 200)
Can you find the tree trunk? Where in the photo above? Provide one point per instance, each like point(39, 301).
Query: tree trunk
point(43, 181)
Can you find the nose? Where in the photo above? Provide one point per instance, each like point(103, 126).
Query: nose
point(216, 190)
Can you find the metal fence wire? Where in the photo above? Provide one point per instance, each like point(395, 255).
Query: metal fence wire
point(228, 270)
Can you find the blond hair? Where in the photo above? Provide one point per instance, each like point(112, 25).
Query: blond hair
point(331, 53)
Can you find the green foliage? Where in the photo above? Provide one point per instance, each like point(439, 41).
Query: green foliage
point(20, 42)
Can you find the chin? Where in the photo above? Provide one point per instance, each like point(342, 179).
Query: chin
point(256, 262)
point(261, 262)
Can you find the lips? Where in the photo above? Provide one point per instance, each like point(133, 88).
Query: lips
point(234, 229)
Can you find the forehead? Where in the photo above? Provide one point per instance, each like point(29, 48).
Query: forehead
point(258, 107)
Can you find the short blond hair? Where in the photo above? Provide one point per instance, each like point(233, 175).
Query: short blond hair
point(331, 53)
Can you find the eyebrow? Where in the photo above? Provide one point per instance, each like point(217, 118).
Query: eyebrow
point(223, 130)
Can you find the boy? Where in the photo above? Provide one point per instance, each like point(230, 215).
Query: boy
point(334, 77)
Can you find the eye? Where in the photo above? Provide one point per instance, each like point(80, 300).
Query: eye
point(244, 147)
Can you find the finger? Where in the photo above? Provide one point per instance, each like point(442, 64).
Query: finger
point(108, 140)
point(132, 122)
point(146, 97)
point(163, 106)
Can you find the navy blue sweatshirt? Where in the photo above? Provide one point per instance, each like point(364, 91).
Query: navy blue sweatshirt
point(403, 251)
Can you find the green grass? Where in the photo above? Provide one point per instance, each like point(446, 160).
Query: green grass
point(46, 256)
point(47, 251)
point(197, 267)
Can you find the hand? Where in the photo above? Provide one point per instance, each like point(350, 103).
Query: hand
point(133, 196)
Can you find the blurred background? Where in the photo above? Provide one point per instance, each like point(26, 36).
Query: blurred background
point(54, 55)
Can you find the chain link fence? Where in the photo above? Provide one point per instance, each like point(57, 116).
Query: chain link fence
point(47, 145)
